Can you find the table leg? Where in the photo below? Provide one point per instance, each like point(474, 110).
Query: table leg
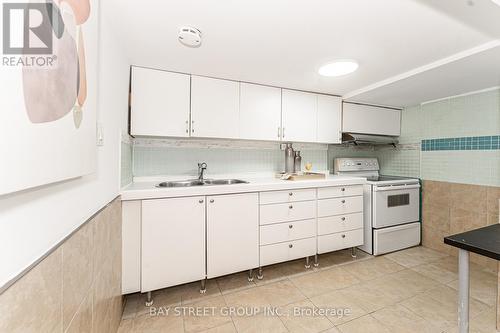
point(463, 291)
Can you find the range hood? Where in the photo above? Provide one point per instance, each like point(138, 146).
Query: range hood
point(371, 139)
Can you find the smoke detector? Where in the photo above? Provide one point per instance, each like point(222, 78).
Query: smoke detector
point(190, 36)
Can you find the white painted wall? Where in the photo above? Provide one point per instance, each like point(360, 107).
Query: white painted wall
point(33, 221)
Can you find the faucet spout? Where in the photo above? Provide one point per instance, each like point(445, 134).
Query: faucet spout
point(201, 170)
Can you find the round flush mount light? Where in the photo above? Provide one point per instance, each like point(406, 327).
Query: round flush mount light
point(190, 36)
point(338, 68)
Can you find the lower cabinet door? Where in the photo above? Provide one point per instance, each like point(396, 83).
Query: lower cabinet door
point(232, 233)
point(339, 241)
point(275, 253)
point(172, 242)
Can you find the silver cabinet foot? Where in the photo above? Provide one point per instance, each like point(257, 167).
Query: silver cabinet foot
point(316, 262)
point(203, 287)
point(250, 275)
point(149, 299)
point(308, 263)
point(354, 252)
point(260, 276)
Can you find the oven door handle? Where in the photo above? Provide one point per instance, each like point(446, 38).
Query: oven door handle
point(394, 188)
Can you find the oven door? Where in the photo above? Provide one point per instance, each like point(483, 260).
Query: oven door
point(396, 204)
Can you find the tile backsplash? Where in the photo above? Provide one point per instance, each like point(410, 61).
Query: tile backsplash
point(180, 157)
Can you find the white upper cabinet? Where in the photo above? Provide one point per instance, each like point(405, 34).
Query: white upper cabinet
point(329, 119)
point(159, 103)
point(299, 116)
point(366, 119)
point(214, 108)
point(260, 112)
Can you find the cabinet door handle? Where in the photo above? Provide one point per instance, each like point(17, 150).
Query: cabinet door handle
point(211, 200)
point(201, 201)
point(290, 206)
point(192, 126)
point(290, 194)
point(342, 189)
point(283, 132)
point(290, 226)
point(343, 236)
point(342, 218)
point(187, 126)
point(290, 245)
point(279, 132)
point(343, 201)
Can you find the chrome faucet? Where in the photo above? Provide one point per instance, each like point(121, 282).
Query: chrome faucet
point(201, 170)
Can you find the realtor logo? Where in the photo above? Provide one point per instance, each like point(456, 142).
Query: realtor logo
point(28, 28)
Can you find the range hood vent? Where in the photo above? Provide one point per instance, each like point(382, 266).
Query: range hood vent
point(369, 139)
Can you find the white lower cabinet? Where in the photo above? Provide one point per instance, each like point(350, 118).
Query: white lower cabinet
point(173, 242)
point(340, 240)
point(275, 253)
point(232, 233)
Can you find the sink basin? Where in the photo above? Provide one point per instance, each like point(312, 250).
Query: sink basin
point(224, 181)
point(196, 182)
point(181, 183)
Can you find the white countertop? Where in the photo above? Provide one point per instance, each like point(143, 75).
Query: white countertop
point(147, 189)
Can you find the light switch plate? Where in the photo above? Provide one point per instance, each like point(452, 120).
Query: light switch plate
point(100, 134)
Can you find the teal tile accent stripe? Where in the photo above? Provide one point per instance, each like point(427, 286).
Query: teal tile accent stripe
point(464, 143)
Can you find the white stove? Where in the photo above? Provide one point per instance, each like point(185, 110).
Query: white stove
point(391, 206)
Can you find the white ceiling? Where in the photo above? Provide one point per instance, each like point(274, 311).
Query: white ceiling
point(283, 42)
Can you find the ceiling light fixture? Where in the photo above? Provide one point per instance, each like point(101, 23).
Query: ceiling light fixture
point(338, 68)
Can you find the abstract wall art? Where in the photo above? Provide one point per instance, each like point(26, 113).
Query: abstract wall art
point(48, 96)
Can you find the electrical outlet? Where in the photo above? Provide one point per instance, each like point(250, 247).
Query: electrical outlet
point(100, 134)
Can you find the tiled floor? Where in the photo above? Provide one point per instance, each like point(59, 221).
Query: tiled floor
point(408, 291)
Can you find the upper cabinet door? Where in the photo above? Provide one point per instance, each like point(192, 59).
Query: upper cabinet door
point(365, 119)
point(329, 119)
point(299, 116)
point(159, 103)
point(214, 108)
point(260, 112)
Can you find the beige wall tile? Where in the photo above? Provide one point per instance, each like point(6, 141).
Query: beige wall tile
point(469, 197)
point(493, 197)
point(72, 289)
point(439, 193)
point(77, 271)
point(33, 304)
point(82, 320)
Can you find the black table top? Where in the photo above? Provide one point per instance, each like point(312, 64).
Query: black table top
point(484, 241)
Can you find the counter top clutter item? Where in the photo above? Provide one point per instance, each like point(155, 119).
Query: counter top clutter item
point(298, 161)
point(289, 158)
point(301, 176)
point(484, 241)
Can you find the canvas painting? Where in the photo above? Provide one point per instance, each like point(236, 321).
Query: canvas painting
point(48, 92)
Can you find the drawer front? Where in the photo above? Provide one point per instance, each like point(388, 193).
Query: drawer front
point(340, 191)
point(287, 196)
point(338, 223)
point(275, 253)
point(339, 241)
point(338, 206)
point(292, 211)
point(284, 232)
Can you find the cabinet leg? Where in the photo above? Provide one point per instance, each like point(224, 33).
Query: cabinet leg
point(149, 299)
point(316, 262)
point(308, 263)
point(353, 252)
point(250, 275)
point(203, 287)
point(259, 275)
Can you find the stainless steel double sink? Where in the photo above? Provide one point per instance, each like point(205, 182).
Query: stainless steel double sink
point(197, 182)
